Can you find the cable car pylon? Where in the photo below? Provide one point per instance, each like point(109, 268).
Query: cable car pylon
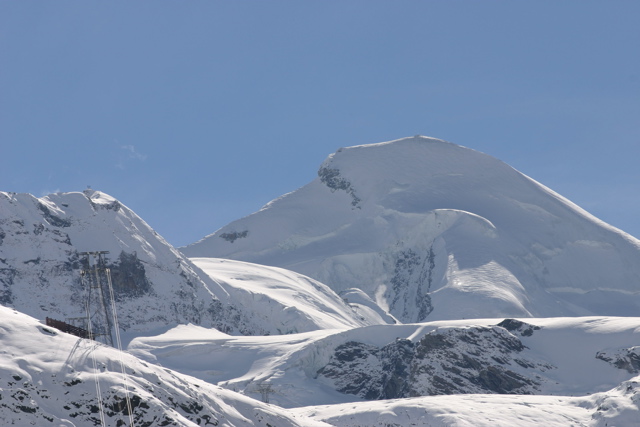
point(96, 280)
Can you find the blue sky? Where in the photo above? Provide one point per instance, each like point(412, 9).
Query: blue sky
point(197, 113)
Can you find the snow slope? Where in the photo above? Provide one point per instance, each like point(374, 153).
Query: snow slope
point(155, 286)
point(402, 231)
point(618, 407)
point(40, 263)
point(48, 378)
point(430, 229)
point(282, 297)
point(552, 356)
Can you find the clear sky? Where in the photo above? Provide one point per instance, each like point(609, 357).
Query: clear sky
point(197, 113)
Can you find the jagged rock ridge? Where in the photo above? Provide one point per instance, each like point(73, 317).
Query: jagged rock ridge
point(456, 360)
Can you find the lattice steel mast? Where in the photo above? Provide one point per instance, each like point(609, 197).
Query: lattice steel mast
point(96, 280)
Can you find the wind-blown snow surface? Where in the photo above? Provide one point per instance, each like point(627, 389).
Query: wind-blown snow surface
point(48, 378)
point(553, 356)
point(430, 229)
point(155, 286)
point(281, 297)
point(615, 408)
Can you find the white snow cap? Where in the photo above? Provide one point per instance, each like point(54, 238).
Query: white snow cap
point(431, 229)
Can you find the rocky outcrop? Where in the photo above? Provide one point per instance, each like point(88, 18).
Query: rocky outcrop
point(41, 246)
point(331, 178)
point(129, 276)
point(518, 327)
point(233, 236)
point(624, 358)
point(411, 283)
point(475, 359)
point(50, 378)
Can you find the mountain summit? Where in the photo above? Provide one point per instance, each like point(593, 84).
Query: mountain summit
point(431, 229)
point(155, 286)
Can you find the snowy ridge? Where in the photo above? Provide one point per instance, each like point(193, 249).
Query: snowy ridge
point(47, 378)
point(617, 407)
point(41, 262)
point(475, 258)
point(552, 356)
point(281, 297)
point(432, 230)
point(155, 286)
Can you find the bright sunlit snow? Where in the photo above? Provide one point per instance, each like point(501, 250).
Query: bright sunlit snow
point(432, 230)
point(440, 275)
point(560, 355)
point(48, 378)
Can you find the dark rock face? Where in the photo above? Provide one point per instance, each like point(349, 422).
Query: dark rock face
point(396, 363)
point(51, 218)
point(23, 395)
point(411, 284)
point(457, 360)
point(129, 277)
point(332, 179)
point(232, 237)
point(362, 363)
point(624, 358)
point(471, 360)
point(7, 275)
point(516, 326)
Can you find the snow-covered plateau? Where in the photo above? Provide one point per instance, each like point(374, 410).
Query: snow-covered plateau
point(413, 283)
point(541, 356)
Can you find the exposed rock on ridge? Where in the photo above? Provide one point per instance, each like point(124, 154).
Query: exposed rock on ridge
point(155, 286)
point(451, 361)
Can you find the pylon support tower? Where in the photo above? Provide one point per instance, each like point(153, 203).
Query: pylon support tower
point(96, 281)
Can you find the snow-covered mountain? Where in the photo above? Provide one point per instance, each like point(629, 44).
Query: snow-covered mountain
point(49, 378)
point(431, 230)
point(290, 301)
point(155, 286)
point(400, 232)
point(550, 356)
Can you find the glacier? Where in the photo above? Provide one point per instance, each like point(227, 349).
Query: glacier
point(414, 282)
point(432, 230)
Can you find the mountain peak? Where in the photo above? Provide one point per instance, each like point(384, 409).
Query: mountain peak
point(426, 227)
point(414, 173)
point(408, 139)
point(410, 146)
point(96, 195)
